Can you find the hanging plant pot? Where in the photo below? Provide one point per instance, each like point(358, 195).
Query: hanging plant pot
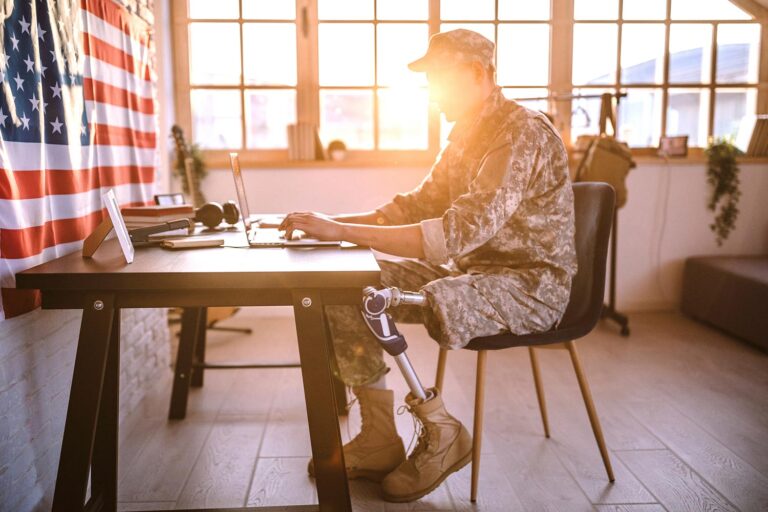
point(723, 178)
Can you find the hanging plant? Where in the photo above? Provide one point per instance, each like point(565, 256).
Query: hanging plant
point(723, 177)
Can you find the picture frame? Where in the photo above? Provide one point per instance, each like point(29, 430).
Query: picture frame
point(113, 209)
point(673, 146)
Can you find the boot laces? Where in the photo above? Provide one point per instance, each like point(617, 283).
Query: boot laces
point(420, 433)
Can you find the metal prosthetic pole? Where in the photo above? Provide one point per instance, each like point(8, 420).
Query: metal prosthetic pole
point(381, 324)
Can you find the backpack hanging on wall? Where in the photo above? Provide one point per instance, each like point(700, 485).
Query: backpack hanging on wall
point(606, 159)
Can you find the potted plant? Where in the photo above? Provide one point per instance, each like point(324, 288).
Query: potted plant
point(723, 178)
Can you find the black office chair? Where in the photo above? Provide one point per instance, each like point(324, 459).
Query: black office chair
point(594, 213)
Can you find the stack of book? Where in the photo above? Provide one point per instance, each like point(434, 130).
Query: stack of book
point(758, 143)
point(752, 135)
point(143, 216)
point(304, 142)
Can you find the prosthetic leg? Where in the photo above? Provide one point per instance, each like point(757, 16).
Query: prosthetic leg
point(375, 305)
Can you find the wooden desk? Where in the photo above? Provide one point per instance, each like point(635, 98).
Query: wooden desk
point(306, 279)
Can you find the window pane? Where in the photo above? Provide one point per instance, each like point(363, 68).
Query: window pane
point(520, 94)
point(640, 117)
point(216, 119)
point(731, 105)
point(585, 114)
point(403, 118)
point(484, 29)
point(220, 10)
point(267, 115)
point(596, 9)
point(707, 10)
point(268, 9)
point(445, 130)
point(346, 53)
point(690, 53)
point(738, 48)
point(217, 64)
point(523, 10)
point(345, 9)
point(399, 44)
point(594, 53)
point(644, 9)
point(642, 53)
point(466, 11)
point(347, 116)
point(688, 114)
point(523, 54)
point(402, 10)
point(270, 53)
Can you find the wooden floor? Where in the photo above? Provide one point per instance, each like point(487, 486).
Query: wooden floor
point(684, 409)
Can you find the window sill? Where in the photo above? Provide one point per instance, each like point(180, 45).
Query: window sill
point(219, 160)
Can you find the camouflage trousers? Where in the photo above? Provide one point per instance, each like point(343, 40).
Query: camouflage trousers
point(457, 312)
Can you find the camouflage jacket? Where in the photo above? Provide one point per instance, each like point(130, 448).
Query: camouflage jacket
point(498, 204)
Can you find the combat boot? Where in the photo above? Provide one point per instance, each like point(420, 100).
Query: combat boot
point(444, 446)
point(377, 449)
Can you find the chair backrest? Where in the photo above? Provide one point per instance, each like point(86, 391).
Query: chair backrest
point(594, 207)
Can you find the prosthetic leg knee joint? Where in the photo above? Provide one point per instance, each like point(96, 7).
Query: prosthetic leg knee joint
point(375, 305)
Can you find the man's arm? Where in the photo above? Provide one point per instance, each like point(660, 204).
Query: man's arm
point(374, 218)
point(405, 241)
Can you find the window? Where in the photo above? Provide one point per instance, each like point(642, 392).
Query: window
point(688, 67)
point(245, 69)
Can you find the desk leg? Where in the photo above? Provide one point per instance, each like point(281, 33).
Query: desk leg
point(190, 328)
point(105, 450)
point(83, 409)
point(202, 329)
point(331, 477)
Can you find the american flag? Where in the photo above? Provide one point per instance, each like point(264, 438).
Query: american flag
point(77, 117)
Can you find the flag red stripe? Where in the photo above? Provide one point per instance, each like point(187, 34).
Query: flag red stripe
point(96, 48)
point(96, 90)
point(37, 184)
point(23, 243)
point(115, 15)
point(117, 136)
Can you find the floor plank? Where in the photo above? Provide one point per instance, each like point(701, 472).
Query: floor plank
point(281, 481)
point(162, 467)
point(739, 482)
point(630, 508)
point(222, 473)
point(674, 484)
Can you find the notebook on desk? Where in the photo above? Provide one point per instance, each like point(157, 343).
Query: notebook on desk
point(265, 237)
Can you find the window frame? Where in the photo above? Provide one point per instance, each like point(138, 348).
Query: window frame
point(561, 26)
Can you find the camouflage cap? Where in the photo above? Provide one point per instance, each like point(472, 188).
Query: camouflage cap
point(449, 48)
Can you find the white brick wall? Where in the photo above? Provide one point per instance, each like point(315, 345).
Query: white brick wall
point(37, 354)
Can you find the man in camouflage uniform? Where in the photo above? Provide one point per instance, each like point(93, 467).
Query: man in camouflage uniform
point(492, 230)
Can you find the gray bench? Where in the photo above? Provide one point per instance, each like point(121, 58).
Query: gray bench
point(729, 292)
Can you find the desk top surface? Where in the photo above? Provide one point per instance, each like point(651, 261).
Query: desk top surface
point(208, 268)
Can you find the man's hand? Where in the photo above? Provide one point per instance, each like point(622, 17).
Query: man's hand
point(315, 225)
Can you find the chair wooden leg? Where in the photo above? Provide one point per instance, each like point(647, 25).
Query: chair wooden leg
point(477, 429)
point(440, 376)
point(593, 420)
point(539, 390)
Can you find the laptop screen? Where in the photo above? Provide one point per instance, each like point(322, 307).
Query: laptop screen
point(240, 189)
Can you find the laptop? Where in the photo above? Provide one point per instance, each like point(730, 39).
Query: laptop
point(265, 237)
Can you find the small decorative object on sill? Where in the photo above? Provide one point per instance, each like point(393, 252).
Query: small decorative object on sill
point(723, 177)
point(189, 167)
point(673, 146)
point(337, 150)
